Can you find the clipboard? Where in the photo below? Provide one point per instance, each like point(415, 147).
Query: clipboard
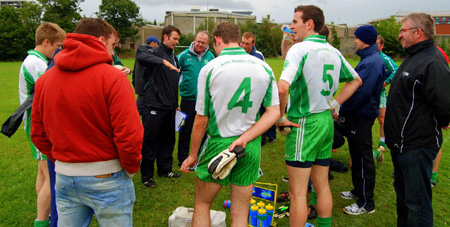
point(180, 118)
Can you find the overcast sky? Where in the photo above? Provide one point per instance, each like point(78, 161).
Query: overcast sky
point(351, 12)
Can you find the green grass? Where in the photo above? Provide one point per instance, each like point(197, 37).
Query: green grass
point(154, 206)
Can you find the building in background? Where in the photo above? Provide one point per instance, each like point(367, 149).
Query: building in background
point(15, 3)
point(189, 21)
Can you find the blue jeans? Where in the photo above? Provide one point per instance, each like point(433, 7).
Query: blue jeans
point(412, 173)
point(110, 198)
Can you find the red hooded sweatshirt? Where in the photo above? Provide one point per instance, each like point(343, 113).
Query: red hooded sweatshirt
point(84, 113)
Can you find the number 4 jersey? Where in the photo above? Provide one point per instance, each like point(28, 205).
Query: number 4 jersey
point(231, 89)
point(314, 68)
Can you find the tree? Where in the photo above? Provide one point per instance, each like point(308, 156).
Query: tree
point(335, 41)
point(209, 29)
point(124, 16)
point(30, 15)
point(65, 13)
point(269, 37)
point(389, 29)
point(12, 45)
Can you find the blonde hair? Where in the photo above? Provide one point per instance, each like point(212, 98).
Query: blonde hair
point(49, 31)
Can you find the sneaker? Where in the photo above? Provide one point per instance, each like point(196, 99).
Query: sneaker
point(348, 195)
point(271, 139)
point(378, 154)
point(150, 183)
point(433, 184)
point(285, 179)
point(312, 212)
point(171, 174)
point(283, 197)
point(355, 210)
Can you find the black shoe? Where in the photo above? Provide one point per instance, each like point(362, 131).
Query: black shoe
point(150, 183)
point(283, 197)
point(312, 212)
point(171, 174)
point(271, 139)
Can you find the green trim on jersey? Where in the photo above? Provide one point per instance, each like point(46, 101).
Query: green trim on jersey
point(267, 101)
point(316, 38)
point(345, 74)
point(302, 88)
point(38, 54)
point(209, 108)
point(233, 51)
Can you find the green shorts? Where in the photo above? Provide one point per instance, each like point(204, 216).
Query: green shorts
point(313, 140)
point(383, 98)
point(35, 153)
point(245, 172)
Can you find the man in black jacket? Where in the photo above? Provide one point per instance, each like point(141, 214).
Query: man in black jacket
point(160, 104)
point(140, 71)
point(418, 107)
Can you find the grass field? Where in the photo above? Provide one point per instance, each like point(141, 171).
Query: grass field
point(154, 206)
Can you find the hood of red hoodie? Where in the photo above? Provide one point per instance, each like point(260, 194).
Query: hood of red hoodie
point(80, 52)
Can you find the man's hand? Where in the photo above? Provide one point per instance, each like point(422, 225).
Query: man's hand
point(126, 70)
point(238, 142)
point(169, 65)
point(188, 163)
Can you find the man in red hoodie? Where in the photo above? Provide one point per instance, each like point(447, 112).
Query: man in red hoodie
point(85, 119)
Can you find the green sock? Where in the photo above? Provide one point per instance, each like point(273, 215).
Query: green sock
point(433, 176)
point(382, 143)
point(324, 222)
point(44, 223)
point(376, 154)
point(313, 196)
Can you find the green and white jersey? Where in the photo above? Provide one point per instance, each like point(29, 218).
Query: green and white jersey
point(314, 68)
point(231, 89)
point(32, 68)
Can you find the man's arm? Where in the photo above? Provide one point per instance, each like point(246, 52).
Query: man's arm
point(347, 90)
point(127, 127)
point(266, 121)
point(436, 84)
point(285, 45)
point(198, 132)
point(38, 134)
point(147, 57)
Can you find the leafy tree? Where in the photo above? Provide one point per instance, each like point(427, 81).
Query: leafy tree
point(335, 41)
point(389, 29)
point(12, 45)
point(65, 13)
point(209, 28)
point(269, 37)
point(444, 45)
point(30, 14)
point(124, 16)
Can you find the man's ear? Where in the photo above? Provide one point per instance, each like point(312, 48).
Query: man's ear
point(102, 39)
point(46, 42)
point(166, 37)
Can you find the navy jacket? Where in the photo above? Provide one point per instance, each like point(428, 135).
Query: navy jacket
point(257, 53)
point(366, 100)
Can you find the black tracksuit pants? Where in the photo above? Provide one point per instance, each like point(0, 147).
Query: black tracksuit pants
point(358, 131)
point(159, 141)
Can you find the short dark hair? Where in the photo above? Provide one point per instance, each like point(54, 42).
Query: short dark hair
point(228, 31)
point(95, 27)
point(325, 32)
point(379, 37)
point(314, 13)
point(168, 31)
